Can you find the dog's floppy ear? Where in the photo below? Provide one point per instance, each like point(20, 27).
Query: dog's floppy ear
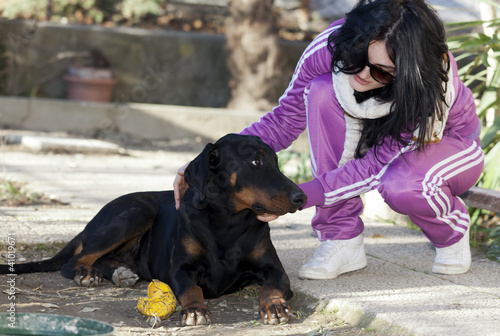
point(198, 171)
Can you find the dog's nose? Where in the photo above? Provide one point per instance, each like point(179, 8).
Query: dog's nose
point(298, 198)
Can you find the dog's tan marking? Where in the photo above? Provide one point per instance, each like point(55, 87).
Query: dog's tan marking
point(192, 247)
point(78, 249)
point(234, 176)
point(89, 259)
point(269, 293)
point(194, 311)
point(124, 245)
point(246, 197)
point(193, 296)
point(259, 251)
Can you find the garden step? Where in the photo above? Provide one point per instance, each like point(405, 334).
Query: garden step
point(482, 198)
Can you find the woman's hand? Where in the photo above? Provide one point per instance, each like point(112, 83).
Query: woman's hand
point(180, 185)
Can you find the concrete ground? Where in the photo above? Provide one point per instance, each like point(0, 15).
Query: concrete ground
point(396, 294)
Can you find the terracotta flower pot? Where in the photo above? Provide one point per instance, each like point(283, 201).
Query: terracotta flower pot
point(90, 84)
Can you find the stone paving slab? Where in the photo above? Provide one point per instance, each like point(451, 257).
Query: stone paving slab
point(395, 293)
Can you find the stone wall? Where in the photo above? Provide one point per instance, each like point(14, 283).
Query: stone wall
point(152, 66)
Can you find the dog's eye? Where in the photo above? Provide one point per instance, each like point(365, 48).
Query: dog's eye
point(258, 159)
point(257, 162)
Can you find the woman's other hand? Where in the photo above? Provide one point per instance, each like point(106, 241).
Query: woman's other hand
point(180, 185)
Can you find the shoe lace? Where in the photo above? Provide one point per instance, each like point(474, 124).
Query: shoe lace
point(452, 252)
point(327, 249)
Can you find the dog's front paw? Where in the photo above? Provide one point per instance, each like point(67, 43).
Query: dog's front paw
point(195, 315)
point(124, 277)
point(87, 277)
point(275, 311)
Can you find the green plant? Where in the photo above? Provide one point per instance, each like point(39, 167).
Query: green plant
point(480, 51)
point(9, 189)
point(14, 194)
point(300, 161)
point(48, 249)
point(320, 331)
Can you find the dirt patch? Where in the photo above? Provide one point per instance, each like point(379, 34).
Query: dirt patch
point(234, 314)
point(12, 193)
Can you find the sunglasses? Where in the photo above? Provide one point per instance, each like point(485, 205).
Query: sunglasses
point(380, 75)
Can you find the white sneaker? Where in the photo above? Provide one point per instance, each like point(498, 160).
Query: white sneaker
point(454, 259)
point(335, 257)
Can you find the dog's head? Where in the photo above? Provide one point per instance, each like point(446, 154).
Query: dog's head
point(241, 172)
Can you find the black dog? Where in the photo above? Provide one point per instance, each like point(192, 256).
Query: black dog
point(214, 244)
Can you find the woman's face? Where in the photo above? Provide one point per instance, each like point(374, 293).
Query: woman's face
point(377, 55)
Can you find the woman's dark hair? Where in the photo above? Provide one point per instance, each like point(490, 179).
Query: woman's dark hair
point(416, 43)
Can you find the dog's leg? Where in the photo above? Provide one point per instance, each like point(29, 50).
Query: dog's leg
point(111, 234)
point(123, 276)
point(275, 288)
point(273, 307)
point(119, 272)
point(82, 267)
point(121, 268)
point(79, 268)
point(87, 268)
point(194, 311)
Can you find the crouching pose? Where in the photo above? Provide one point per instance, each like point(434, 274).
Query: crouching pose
point(385, 109)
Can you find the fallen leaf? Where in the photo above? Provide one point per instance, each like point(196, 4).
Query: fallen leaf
point(154, 321)
point(377, 235)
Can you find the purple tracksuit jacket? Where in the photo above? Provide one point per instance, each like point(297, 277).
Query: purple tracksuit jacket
point(424, 185)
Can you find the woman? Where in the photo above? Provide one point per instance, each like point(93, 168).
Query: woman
point(385, 109)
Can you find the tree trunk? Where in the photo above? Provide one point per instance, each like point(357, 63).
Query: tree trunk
point(252, 36)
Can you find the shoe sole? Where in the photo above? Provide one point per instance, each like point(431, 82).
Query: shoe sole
point(450, 269)
point(319, 274)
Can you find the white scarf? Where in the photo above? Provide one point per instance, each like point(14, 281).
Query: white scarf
point(372, 109)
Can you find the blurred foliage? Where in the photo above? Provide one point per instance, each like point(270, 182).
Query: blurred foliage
point(82, 11)
point(174, 15)
point(296, 165)
point(481, 73)
point(137, 8)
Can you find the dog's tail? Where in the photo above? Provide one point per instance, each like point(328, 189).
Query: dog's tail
point(50, 265)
